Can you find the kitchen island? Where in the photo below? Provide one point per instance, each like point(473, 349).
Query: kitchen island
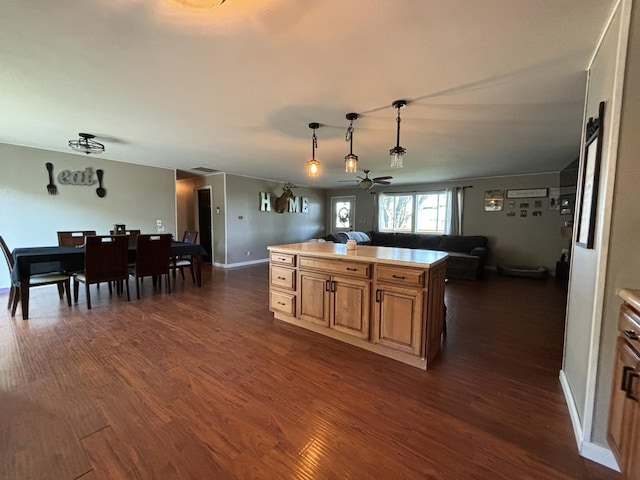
point(387, 300)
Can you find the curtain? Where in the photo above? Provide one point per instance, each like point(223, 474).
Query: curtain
point(455, 205)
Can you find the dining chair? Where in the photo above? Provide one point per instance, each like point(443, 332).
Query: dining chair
point(62, 280)
point(152, 259)
point(133, 235)
point(105, 260)
point(73, 238)
point(180, 263)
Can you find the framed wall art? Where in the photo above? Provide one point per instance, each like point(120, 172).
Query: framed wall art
point(527, 193)
point(493, 200)
point(590, 180)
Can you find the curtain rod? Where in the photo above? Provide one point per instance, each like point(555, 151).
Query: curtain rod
point(422, 191)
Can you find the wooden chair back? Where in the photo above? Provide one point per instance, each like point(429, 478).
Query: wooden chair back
point(152, 254)
point(190, 236)
point(133, 235)
point(7, 254)
point(74, 238)
point(106, 258)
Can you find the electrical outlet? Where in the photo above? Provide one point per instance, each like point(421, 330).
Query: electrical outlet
point(248, 253)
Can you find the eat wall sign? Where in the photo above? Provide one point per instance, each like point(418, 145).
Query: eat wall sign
point(76, 178)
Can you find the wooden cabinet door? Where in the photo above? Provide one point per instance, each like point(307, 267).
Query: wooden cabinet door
point(632, 468)
point(624, 419)
point(313, 299)
point(398, 318)
point(350, 306)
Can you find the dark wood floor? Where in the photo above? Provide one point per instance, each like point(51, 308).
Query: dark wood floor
point(202, 384)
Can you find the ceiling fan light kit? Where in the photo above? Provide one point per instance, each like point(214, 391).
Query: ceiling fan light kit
point(351, 160)
point(313, 165)
point(86, 144)
point(397, 152)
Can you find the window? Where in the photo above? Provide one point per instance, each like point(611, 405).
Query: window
point(413, 212)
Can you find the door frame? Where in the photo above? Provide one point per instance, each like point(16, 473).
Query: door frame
point(197, 214)
point(334, 200)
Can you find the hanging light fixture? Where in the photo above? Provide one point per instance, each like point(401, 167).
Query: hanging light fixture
point(200, 4)
point(397, 152)
point(86, 144)
point(351, 160)
point(313, 165)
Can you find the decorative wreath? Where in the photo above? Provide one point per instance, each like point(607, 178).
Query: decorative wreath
point(343, 215)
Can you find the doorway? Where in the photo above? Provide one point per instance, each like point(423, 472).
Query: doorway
point(342, 213)
point(205, 223)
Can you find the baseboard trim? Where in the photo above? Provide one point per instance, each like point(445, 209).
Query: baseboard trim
point(599, 454)
point(573, 410)
point(241, 264)
point(589, 450)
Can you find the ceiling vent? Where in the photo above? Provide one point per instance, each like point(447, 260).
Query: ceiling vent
point(203, 169)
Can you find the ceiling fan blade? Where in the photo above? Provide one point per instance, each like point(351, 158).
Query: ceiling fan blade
point(348, 181)
point(382, 178)
point(381, 182)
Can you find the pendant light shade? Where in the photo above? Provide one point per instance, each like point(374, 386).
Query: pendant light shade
point(351, 160)
point(397, 152)
point(313, 165)
point(86, 144)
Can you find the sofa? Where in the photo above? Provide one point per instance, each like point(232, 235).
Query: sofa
point(467, 253)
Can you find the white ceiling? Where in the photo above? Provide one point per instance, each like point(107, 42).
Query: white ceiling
point(495, 87)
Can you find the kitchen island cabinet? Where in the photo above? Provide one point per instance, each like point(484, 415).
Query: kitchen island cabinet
point(386, 300)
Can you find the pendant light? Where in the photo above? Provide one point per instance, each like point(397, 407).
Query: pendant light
point(313, 165)
point(351, 160)
point(86, 144)
point(397, 152)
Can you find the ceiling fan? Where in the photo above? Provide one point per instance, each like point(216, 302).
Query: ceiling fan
point(367, 183)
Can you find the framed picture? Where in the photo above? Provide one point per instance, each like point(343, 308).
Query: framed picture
point(493, 200)
point(527, 193)
point(590, 181)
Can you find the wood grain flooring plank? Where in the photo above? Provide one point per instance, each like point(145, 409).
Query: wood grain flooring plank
point(203, 383)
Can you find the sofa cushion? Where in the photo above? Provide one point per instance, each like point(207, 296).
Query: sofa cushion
point(461, 243)
point(428, 242)
point(339, 237)
point(361, 238)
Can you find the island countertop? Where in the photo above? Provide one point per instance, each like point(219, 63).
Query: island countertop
point(366, 253)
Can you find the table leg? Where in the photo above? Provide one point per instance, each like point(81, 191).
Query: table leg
point(197, 266)
point(24, 297)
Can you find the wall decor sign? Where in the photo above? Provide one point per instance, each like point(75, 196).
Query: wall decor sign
point(286, 202)
point(527, 193)
point(590, 180)
point(493, 200)
point(76, 178)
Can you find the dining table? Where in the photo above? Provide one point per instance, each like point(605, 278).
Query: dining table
point(37, 260)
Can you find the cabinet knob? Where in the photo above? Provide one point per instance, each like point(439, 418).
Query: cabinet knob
point(630, 334)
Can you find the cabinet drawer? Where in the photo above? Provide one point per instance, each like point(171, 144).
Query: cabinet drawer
point(629, 326)
point(282, 302)
point(400, 276)
point(283, 277)
point(283, 258)
point(343, 267)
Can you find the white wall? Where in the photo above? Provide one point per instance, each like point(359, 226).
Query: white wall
point(590, 329)
point(136, 196)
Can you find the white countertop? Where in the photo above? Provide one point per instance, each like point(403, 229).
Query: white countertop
point(365, 253)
